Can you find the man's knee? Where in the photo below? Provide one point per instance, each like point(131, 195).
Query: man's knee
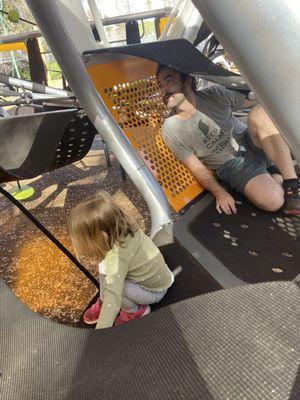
point(255, 115)
point(255, 124)
point(274, 203)
point(265, 194)
point(259, 123)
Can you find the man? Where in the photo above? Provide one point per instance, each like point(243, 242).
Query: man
point(202, 132)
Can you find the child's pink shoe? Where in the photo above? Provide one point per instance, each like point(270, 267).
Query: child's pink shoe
point(92, 314)
point(124, 316)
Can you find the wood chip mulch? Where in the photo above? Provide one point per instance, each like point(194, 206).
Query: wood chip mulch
point(34, 268)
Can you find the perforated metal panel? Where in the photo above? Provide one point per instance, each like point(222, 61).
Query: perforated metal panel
point(138, 108)
point(75, 142)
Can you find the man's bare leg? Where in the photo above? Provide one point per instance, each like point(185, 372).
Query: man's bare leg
point(265, 136)
point(265, 192)
point(278, 178)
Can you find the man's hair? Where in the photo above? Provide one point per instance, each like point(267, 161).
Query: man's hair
point(96, 225)
point(183, 77)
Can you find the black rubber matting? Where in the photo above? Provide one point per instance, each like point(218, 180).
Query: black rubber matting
point(190, 280)
point(256, 246)
point(242, 343)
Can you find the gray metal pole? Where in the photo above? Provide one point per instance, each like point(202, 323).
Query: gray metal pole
point(263, 38)
point(33, 86)
point(49, 18)
point(19, 37)
point(98, 22)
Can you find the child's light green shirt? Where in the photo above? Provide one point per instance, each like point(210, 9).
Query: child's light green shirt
point(137, 260)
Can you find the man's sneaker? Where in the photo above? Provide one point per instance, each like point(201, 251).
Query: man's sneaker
point(124, 316)
point(92, 314)
point(292, 200)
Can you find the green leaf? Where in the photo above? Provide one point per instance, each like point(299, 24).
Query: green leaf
point(13, 15)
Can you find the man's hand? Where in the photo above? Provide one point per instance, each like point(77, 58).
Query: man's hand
point(225, 203)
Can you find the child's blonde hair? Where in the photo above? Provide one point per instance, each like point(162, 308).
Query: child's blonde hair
point(97, 224)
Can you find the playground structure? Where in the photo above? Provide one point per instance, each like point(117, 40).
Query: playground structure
point(116, 88)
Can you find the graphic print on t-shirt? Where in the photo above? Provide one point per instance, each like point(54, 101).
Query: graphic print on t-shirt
point(214, 139)
point(203, 127)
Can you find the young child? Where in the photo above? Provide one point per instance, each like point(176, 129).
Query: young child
point(133, 273)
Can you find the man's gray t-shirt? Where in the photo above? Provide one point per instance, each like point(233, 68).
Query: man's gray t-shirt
point(209, 133)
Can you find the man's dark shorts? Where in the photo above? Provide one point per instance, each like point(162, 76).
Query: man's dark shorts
point(250, 161)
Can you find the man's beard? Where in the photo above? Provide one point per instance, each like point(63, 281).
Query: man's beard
point(176, 101)
point(168, 95)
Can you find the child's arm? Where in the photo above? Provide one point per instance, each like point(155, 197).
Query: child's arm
point(117, 268)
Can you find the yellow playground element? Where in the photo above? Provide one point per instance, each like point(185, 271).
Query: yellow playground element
point(13, 47)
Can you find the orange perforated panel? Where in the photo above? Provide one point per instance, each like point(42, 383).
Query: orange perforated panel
point(138, 108)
